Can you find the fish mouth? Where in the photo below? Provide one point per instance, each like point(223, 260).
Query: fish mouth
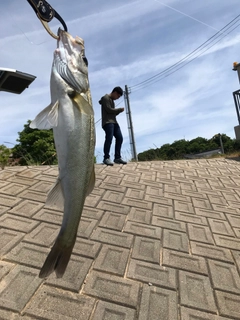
point(66, 38)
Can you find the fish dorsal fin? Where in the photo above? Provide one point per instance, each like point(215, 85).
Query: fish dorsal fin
point(47, 118)
point(55, 196)
point(91, 182)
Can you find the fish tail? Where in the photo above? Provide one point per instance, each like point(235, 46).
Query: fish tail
point(57, 260)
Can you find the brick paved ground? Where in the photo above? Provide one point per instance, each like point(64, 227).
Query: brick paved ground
point(157, 241)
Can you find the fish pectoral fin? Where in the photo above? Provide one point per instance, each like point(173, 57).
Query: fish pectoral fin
point(55, 196)
point(47, 118)
point(91, 182)
point(83, 104)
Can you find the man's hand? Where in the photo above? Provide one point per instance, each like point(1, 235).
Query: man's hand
point(121, 109)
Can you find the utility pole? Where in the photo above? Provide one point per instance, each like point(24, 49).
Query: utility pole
point(130, 125)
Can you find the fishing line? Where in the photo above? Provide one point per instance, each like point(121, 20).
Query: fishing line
point(187, 15)
point(31, 42)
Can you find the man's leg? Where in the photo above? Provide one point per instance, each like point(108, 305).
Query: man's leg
point(109, 131)
point(119, 140)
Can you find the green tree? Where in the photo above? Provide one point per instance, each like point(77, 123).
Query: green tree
point(4, 156)
point(35, 147)
point(179, 148)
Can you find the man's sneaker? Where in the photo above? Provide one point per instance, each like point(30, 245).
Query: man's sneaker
point(108, 162)
point(120, 161)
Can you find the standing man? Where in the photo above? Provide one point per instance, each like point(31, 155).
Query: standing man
point(111, 126)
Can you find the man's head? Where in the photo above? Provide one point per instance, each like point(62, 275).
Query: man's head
point(116, 93)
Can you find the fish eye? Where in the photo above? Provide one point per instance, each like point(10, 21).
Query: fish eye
point(85, 60)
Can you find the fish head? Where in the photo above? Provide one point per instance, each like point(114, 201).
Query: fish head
point(70, 61)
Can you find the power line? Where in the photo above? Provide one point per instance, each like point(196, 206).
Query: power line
point(184, 61)
point(186, 15)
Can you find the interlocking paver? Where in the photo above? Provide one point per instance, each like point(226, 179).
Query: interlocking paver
point(44, 234)
point(143, 229)
point(225, 209)
point(210, 214)
point(13, 189)
point(168, 223)
point(48, 215)
point(184, 261)
point(137, 203)
point(42, 186)
point(86, 248)
point(17, 223)
point(26, 208)
point(86, 227)
point(236, 255)
point(195, 194)
point(152, 274)
point(146, 249)
point(201, 203)
point(234, 220)
point(224, 276)
point(191, 218)
point(103, 186)
point(175, 240)
point(200, 233)
point(112, 288)
point(3, 209)
point(158, 304)
point(186, 207)
point(6, 174)
point(8, 239)
point(192, 314)
point(5, 267)
point(231, 196)
point(17, 287)
point(217, 200)
point(51, 303)
point(220, 226)
point(196, 292)
point(229, 304)
point(162, 210)
point(151, 199)
point(8, 201)
point(140, 215)
point(74, 276)
point(111, 207)
point(27, 254)
point(113, 196)
point(211, 251)
point(92, 200)
point(112, 259)
point(8, 315)
point(227, 242)
point(113, 221)
point(135, 193)
point(154, 191)
point(92, 213)
point(107, 311)
point(112, 237)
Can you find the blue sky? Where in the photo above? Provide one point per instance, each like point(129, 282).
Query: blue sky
point(126, 43)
